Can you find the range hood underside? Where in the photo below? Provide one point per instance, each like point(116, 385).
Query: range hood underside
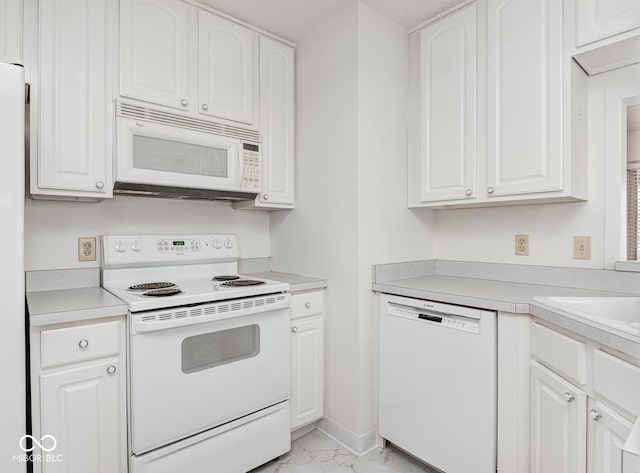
point(174, 192)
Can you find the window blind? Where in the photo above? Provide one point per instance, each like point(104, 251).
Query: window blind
point(633, 194)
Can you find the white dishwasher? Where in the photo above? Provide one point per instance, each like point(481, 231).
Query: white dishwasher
point(438, 366)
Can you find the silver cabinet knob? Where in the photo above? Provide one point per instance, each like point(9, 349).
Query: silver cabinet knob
point(468, 192)
point(595, 415)
point(490, 190)
point(265, 196)
point(111, 369)
point(84, 343)
point(569, 397)
point(205, 107)
point(294, 329)
point(99, 185)
point(308, 305)
point(184, 102)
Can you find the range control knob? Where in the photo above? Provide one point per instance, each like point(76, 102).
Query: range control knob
point(217, 244)
point(228, 244)
point(137, 245)
point(120, 246)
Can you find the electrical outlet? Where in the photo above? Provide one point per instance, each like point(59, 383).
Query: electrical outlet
point(522, 245)
point(87, 249)
point(581, 247)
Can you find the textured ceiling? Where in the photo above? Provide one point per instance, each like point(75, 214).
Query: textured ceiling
point(293, 19)
point(633, 118)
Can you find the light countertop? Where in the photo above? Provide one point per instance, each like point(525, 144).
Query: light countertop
point(296, 282)
point(71, 305)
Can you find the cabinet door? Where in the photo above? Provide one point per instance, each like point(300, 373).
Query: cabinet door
point(75, 98)
point(558, 430)
point(277, 123)
point(607, 432)
point(599, 19)
point(448, 88)
point(11, 31)
point(525, 86)
point(154, 51)
point(82, 409)
point(227, 79)
point(307, 372)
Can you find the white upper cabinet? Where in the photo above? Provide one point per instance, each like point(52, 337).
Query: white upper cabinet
point(227, 74)
point(598, 19)
point(154, 51)
point(11, 31)
point(72, 122)
point(497, 107)
point(444, 97)
point(525, 96)
point(277, 123)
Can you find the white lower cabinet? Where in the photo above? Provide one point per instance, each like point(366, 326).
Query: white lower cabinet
point(607, 431)
point(558, 430)
point(307, 352)
point(579, 429)
point(79, 404)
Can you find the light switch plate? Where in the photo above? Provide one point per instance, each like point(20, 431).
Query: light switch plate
point(87, 249)
point(522, 245)
point(582, 247)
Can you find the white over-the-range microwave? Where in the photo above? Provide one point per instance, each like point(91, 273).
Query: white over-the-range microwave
point(168, 155)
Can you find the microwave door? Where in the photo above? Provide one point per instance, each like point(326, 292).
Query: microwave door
point(151, 153)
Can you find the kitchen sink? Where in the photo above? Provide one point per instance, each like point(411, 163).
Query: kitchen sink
point(620, 312)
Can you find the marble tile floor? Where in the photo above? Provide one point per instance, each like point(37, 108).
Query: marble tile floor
point(316, 453)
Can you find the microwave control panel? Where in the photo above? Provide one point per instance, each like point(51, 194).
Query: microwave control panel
point(250, 167)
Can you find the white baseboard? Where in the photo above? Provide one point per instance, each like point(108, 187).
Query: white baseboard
point(304, 430)
point(359, 444)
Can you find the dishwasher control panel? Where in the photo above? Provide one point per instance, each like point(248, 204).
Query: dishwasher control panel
point(456, 322)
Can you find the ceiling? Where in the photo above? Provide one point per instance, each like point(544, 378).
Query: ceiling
point(293, 19)
point(633, 118)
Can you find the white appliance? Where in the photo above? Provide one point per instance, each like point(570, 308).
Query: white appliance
point(208, 356)
point(163, 154)
point(438, 366)
point(12, 336)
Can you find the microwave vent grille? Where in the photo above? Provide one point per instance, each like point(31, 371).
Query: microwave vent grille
point(137, 112)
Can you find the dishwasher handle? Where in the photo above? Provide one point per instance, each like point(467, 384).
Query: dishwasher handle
point(437, 318)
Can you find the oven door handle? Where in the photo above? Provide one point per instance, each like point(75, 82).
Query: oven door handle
point(163, 320)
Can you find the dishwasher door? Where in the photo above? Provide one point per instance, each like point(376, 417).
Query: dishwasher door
point(438, 382)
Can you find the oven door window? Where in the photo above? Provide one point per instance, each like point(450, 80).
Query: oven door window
point(156, 154)
point(208, 350)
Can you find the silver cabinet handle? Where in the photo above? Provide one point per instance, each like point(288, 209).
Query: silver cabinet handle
point(490, 190)
point(569, 397)
point(265, 196)
point(294, 329)
point(184, 102)
point(308, 305)
point(111, 369)
point(205, 107)
point(595, 415)
point(84, 343)
point(468, 192)
point(99, 184)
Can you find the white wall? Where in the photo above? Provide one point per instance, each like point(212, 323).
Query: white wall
point(351, 206)
point(52, 228)
point(487, 234)
point(633, 146)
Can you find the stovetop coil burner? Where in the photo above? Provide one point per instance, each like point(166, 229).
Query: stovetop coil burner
point(151, 285)
point(164, 292)
point(225, 278)
point(242, 283)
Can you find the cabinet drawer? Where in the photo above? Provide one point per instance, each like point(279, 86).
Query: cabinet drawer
point(560, 353)
point(67, 345)
point(307, 303)
point(617, 381)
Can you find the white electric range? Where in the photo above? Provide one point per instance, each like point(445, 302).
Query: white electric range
point(208, 354)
